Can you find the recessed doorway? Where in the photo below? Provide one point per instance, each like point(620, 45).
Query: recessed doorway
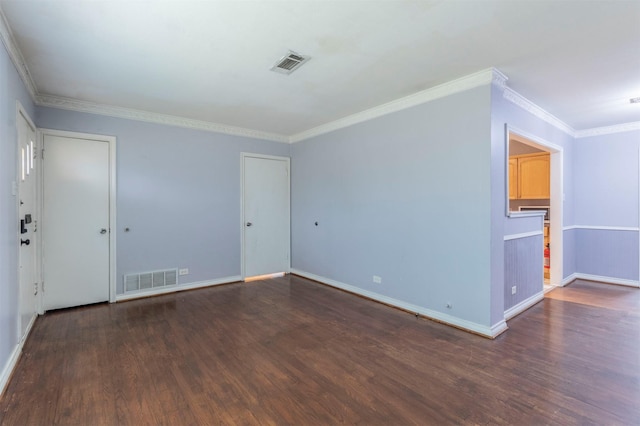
point(538, 165)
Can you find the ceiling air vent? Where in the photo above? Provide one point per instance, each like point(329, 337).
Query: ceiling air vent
point(289, 62)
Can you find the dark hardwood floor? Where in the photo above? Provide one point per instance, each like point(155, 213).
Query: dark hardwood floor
point(291, 351)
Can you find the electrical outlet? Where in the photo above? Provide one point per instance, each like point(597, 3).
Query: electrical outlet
point(377, 279)
point(183, 271)
point(514, 289)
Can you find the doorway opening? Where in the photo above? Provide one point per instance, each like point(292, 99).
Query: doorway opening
point(534, 183)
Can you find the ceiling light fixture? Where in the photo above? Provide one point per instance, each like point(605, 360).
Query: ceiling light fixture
point(290, 62)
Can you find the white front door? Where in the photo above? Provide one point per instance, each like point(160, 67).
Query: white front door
point(265, 214)
point(27, 221)
point(75, 221)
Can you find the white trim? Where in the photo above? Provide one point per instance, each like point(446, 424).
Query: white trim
point(16, 55)
point(602, 228)
point(113, 196)
point(552, 147)
point(9, 366)
point(491, 332)
point(480, 78)
point(152, 117)
point(244, 155)
point(600, 278)
point(524, 103)
point(608, 130)
point(523, 306)
point(175, 289)
point(445, 89)
point(498, 328)
point(11, 363)
point(522, 235)
point(531, 213)
point(111, 140)
point(569, 279)
point(29, 327)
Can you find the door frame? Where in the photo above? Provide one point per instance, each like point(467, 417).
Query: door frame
point(37, 269)
point(556, 196)
point(111, 140)
point(244, 155)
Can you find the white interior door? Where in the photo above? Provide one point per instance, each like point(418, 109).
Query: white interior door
point(75, 221)
point(27, 222)
point(265, 215)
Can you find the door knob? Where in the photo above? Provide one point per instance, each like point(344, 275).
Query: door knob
point(249, 223)
point(103, 231)
point(25, 242)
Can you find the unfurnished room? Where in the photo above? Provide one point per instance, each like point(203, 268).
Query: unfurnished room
point(317, 212)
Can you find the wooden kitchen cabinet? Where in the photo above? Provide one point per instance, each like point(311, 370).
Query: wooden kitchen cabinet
point(529, 177)
point(513, 178)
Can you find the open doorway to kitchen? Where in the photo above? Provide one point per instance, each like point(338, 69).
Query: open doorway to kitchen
point(535, 184)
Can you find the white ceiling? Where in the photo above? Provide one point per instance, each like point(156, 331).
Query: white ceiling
point(210, 60)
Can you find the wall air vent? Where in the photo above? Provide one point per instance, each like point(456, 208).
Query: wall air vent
point(290, 62)
point(153, 279)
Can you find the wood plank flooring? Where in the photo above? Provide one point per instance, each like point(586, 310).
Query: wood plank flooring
point(291, 351)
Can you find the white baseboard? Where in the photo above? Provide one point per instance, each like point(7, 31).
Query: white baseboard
point(483, 330)
point(8, 367)
point(567, 280)
point(15, 356)
point(28, 330)
point(607, 280)
point(174, 289)
point(523, 306)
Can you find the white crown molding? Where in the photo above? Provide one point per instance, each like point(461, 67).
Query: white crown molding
point(608, 130)
point(480, 78)
point(16, 55)
point(490, 75)
point(524, 103)
point(151, 117)
point(82, 106)
point(498, 78)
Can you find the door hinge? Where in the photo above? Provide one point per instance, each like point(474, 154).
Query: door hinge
point(43, 286)
point(35, 288)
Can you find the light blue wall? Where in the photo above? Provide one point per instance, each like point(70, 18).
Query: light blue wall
point(521, 225)
point(569, 256)
point(178, 191)
point(520, 271)
point(11, 89)
point(612, 254)
point(406, 197)
point(606, 180)
point(606, 174)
